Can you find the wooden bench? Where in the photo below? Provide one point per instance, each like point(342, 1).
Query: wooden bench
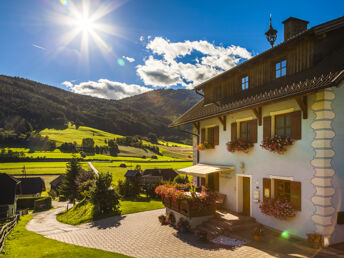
point(220, 200)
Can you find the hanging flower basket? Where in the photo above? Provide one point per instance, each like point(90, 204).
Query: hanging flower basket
point(278, 209)
point(238, 145)
point(276, 144)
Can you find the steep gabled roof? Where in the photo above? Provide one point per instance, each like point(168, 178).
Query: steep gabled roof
point(56, 181)
point(327, 73)
point(132, 173)
point(167, 174)
point(32, 185)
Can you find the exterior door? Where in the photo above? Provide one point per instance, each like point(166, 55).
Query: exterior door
point(213, 181)
point(246, 196)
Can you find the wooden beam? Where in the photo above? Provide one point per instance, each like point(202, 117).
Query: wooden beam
point(302, 102)
point(197, 124)
point(258, 113)
point(223, 122)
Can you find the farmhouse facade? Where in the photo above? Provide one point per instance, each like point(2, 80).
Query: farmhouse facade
point(292, 93)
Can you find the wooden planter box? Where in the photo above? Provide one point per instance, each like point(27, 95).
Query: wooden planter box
point(187, 208)
point(167, 202)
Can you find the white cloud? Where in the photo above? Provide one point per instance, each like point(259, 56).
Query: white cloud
point(166, 68)
point(107, 89)
point(129, 59)
point(142, 38)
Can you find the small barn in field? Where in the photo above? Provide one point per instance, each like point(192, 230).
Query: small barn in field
point(55, 184)
point(9, 190)
point(157, 175)
point(132, 174)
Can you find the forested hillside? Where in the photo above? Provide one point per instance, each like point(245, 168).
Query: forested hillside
point(25, 104)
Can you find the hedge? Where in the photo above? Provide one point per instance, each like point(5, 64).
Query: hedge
point(43, 203)
point(26, 202)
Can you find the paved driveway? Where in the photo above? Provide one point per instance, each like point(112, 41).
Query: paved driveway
point(141, 235)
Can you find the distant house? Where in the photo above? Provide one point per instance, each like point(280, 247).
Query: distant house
point(166, 174)
point(9, 190)
point(132, 174)
point(31, 186)
point(55, 184)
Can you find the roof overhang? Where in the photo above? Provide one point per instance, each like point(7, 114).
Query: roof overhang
point(202, 170)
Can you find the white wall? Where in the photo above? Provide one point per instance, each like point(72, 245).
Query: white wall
point(260, 163)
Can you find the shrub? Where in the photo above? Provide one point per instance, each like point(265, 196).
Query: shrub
point(123, 165)
point(143, 157)
point(42, 204)
point(103, 196)
point(150, 190)
point(180, 179)
point(62, 198)
point(52, 194)
point(26, 202)
point(154, 157)
point(128, 188)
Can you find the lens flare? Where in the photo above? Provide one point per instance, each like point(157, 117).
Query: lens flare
point(120, 61)
point(285, 234)
point(64, 2)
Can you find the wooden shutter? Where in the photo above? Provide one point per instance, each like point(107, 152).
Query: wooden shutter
point(216, 135)
point(295, 121)
point(295, 195)
point(202, 135)
point(266, 189)
point(253, 131)
point(233, 131)
point(267, 127)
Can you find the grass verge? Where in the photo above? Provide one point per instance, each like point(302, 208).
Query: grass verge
point(83, 212)
point(24, 243)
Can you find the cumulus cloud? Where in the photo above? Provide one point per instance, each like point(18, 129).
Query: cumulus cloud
point(107, 89)
point(141, 38)
point(129, 59)
point(165, 66)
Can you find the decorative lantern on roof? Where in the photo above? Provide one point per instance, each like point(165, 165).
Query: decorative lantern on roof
point(271, 34)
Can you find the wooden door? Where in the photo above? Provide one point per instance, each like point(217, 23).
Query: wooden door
point(246, 196)
point(213, 181)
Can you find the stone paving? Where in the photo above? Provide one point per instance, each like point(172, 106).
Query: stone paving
point(141, 235)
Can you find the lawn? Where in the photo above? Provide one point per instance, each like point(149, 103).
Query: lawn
point(83, 212)
point(36, 167)
point(23, 243)
point(118, 172)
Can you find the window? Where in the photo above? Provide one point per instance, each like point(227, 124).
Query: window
point(245, 131)
point(282, 190)
point(210, 135)
point(244, 83)
point(281, 68)
point(283, 125)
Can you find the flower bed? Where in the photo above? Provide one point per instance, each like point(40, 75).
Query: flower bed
point(276, 144)
point(238, 145)
point(190, 204)
point(278, 209)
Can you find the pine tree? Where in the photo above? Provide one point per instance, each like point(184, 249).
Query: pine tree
point(69, 187)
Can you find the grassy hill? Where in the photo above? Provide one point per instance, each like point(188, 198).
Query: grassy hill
point(44, 106)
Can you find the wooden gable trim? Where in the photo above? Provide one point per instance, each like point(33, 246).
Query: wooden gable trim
point(258, 113)
point(223, 120)
point(302, 102)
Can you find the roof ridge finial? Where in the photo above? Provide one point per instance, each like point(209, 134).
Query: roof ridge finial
point(271, 34)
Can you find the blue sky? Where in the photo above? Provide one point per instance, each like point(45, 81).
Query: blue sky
point(151, 44)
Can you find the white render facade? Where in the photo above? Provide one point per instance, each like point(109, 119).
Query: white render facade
point(314, 161)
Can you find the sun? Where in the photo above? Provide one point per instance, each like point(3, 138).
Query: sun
point(85, 23)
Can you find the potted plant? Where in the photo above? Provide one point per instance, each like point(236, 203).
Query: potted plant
point(276, 143)
point(238, 145)
point(183, 225)
point(162, 219)
point(315, 240)
point(258, 233)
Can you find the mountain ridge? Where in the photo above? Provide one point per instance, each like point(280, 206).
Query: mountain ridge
point(45, 106)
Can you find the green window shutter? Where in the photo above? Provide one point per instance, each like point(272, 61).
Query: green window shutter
point(233, 131)
point(267, 127)
point(296, 125)
point(295, 195)
point(253, 131)
point(216, 135)
point(202, 135)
